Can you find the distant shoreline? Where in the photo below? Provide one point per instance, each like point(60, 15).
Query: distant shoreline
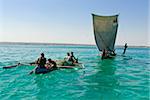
point(39, 43)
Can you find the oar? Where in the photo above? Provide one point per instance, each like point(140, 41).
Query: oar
point(32, 71)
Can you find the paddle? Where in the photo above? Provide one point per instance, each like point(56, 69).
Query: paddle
point(31, 72)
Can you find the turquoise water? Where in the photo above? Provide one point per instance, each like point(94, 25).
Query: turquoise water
point(122, 78)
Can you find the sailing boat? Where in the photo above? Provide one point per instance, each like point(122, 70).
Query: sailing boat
point(105, 31)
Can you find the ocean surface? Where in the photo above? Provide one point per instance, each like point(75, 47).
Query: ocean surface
point(122, 78)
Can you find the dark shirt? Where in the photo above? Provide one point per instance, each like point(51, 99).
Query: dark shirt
point(72, 58)
point(54, 64)
point(125, 46)
point(41, 61)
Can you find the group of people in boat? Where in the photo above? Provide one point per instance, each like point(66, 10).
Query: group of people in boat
point(70, 59)
point(44, 65)
point(109, 54)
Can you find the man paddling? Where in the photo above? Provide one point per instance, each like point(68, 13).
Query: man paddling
point(41, 61)
point(125, 47)
point(50, 65)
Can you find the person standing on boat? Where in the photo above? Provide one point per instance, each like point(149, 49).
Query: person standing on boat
point(41, 61)
point(125, 47)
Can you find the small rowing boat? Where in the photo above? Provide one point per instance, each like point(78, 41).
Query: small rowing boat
point(39, 70)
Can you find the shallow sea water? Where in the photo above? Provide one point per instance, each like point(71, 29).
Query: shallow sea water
point(122, 78)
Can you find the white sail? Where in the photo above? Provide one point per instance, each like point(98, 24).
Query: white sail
point(105, 31)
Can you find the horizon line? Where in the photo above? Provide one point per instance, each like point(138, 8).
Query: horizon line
point(46, 43)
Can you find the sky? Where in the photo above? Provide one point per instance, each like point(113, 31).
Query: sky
point(70, 21)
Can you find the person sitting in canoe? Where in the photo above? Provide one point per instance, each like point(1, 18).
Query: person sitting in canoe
point(43, 67)
point(70, 60)
point(112, 53)
point(50, 64)
point(105, 55)
point(41, 61)
point(40, 65)
point(67, 58)
point(73, 59)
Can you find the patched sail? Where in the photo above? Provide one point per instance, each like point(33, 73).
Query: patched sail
point(105, 31)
